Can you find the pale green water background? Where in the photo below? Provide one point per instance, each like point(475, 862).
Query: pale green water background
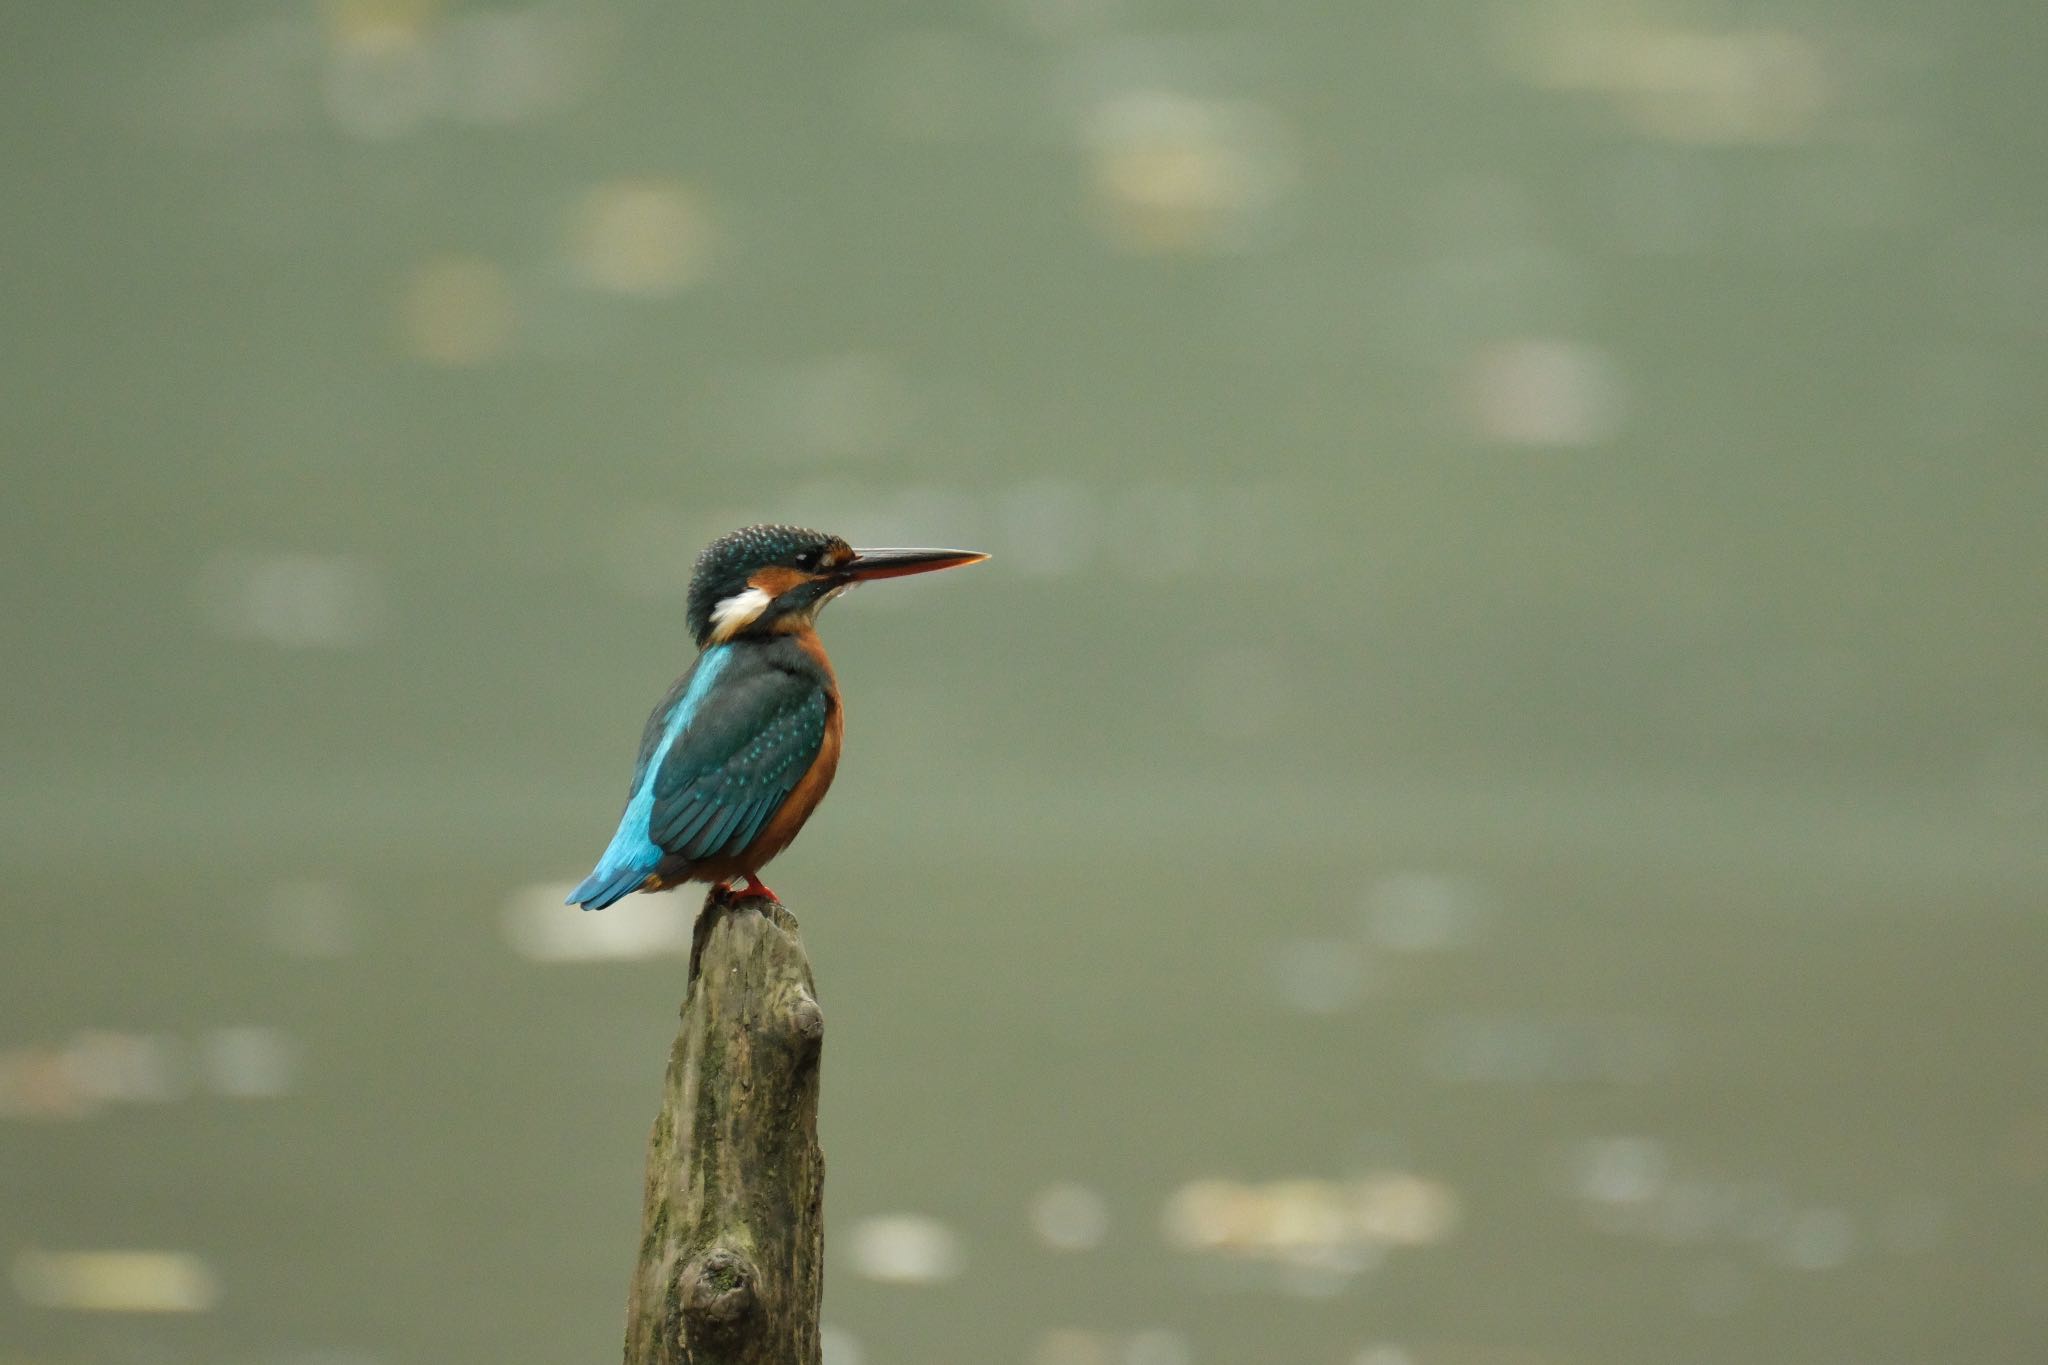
point(1513, 668)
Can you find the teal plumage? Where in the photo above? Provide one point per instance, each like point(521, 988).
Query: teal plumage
point(718, 758)
point(743, 747)
point(715, 791)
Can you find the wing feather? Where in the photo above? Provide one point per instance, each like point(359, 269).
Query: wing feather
point(727, 775)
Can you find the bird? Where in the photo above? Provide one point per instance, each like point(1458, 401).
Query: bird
point(742, 749)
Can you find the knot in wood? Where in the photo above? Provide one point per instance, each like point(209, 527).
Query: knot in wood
point(806, 1021)
point(718, 1293)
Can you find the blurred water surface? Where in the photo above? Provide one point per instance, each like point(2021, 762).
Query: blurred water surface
point(1487, 811)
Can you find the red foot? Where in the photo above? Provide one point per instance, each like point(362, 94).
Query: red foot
point(757, 890)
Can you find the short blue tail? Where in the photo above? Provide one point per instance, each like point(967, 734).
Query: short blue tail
point(605, 886)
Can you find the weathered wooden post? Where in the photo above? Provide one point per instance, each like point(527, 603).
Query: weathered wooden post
point(732, 1236)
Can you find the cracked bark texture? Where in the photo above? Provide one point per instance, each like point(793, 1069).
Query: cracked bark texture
point(731, 1264)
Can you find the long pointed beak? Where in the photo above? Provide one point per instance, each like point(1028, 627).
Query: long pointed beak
point(895, 563)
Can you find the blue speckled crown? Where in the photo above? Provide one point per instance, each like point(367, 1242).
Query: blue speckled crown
point(725, 564)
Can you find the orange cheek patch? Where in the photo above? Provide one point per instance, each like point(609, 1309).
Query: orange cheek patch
point(777, 580)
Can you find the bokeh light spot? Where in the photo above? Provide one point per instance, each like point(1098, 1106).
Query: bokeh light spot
point(1156, 1346)
point(906, 1248)
point(837, 1346)
point(1072, 1346)
point(1382, 1354)
point(116, 1281)
point(1069, 1217)
point(457, 311)
point(295, 601)
point(382, 78)
point(1319, 975)
point(1424, 912)
point(249, 1062)
point(1177, 175)
point(541, 928)
point(1544, 392)
point(648, 237)
point(1818, 1239)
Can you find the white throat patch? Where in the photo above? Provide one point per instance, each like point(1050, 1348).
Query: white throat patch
point(737, 612)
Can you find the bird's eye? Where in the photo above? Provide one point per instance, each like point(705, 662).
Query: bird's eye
point(807, 560)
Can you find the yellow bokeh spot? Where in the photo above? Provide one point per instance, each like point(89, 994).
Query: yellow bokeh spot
point(457, 310)
point(647, 236)
point(354, 22)
point(116, 1281)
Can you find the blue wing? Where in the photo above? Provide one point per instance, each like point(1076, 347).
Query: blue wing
point(736, 766)
point(720, 755)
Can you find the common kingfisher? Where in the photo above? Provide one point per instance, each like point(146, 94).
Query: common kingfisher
point(741, 750)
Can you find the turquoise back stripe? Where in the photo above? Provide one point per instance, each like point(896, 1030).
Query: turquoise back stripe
point(630, 848)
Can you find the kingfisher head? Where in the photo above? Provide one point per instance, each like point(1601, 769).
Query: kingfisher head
point(762, 580)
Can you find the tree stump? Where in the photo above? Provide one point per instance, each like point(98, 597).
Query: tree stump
point(732, 1234)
